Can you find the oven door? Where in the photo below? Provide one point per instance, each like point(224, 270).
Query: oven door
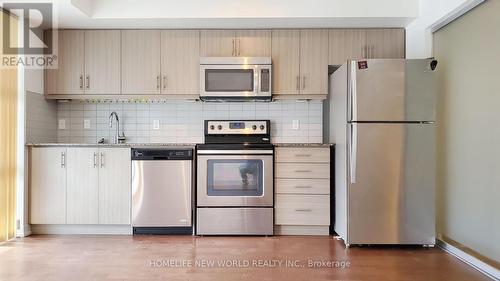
point(241, 180)
point(235, 81)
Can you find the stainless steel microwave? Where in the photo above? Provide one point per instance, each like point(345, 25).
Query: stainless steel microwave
point(235, 78)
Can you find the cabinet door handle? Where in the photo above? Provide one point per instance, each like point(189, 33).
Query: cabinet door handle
point(372, 50)
point(88, 81)
point(164, 81)
point(102, 160)
point(303, 82)
point(234, 48)
point(302, 155)
point(303, 186)
point(63, 160)
point(363, 52)
point(303, 210)
point(298, 82)
point(158, 82)
point(239, 46)
point(81, 82)
point(95, 159)
point(302, 171)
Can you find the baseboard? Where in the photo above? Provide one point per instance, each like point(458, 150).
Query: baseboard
point(81, 229)
point(481, 266)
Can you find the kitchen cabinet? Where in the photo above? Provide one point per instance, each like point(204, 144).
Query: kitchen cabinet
point(48, 185)
point(68, 77)
point(114, 185)
point(386, 43)
point(235, 43)
point(302, 187)
point(300, 62)
point(346, 44)
point(141, 62)
point(102, 62)
point(82, 186)
point(180, 63)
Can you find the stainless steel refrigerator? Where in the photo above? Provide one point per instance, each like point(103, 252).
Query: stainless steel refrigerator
point(382, 121)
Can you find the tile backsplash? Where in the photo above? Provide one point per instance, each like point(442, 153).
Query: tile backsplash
point(41, 118)
point(182, 121)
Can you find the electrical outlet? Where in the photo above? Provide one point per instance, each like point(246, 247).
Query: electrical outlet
point(295, 124)
point(61, 125)
point(156, 124)
point(86, 123)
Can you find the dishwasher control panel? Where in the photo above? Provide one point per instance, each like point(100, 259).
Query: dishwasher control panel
point(161, 154)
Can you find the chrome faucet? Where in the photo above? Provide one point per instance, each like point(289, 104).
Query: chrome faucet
point(119, 138)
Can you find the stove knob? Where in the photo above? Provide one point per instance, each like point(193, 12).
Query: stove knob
point(219, 127)
point(212, 127)
point(262, 127)
point(254, 127)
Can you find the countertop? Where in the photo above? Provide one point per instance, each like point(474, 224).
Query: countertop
point(303, 144)
point(161, 145)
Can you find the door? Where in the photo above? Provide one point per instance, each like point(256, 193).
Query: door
point(140, 62)
point(314, 61)
point(114, 185)
point(235, 180)
point(253, 43)
point(391, 183)
point(346, 44)
point(180, 62)
point(392, 90)
point(82, 189)
point(68, 78)
point(161, 193)
point(102, 62)
point(286, 61)
point(48, 185)
point(217, 43)
point(386, 43)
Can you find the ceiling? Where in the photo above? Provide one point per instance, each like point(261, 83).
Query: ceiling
point(232, 13)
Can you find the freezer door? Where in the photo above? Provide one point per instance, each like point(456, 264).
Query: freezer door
point(391, 186)
point(392, 90)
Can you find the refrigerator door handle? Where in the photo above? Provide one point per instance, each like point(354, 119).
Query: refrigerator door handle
point(353, 152)
point(354, 93)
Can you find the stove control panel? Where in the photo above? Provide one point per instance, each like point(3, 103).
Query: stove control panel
point(234, 127)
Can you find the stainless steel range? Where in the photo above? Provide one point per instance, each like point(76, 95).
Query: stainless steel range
point(235, 179)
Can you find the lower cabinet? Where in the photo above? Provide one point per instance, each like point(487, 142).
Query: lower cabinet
point(80, 185)
point(302, 187)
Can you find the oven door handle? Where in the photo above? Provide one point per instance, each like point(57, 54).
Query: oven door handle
point(234, 152)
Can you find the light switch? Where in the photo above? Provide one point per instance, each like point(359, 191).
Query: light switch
point(61, 125)
point(86, 123)
point(295, 124)
point(156, 124)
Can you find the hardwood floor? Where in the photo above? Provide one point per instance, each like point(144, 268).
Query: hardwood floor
point(44, 257)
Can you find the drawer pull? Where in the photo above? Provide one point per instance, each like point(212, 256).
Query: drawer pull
point(303, 186)
point(303, 210)
point(302, 155)
point(302, 171)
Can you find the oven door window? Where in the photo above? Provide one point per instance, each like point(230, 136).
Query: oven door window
point(234, 177)
point(229, 80)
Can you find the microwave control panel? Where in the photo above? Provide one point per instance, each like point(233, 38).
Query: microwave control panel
point(265, 81)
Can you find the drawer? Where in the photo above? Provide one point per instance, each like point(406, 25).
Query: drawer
point(302, 155)
point(302, 209)
point(302, 186)
point(302, 171)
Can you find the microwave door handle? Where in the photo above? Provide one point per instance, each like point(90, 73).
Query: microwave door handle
point(256, 80)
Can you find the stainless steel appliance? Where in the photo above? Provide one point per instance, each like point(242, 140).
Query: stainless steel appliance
point(382, 122)
point(161, 190)
point(235, 78)
point(235, 179)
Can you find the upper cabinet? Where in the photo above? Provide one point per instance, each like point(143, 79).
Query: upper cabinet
point(300, 62)
point(235, 43)
point(68, 78)
point(141, 62)
point(345, 44)
point(180, 63)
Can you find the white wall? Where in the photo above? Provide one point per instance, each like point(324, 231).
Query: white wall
point(432, 13)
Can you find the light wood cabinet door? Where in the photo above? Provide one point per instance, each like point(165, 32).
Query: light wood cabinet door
point(102, 62)
point(217, 43)
point(253, 43)
point(386, 43)
point(141, 62)
point(286, 61)
point(314, 61)
point(345, 44)
point(82, 186)
point(68, 78)
point(114, 185)
point(180, 62)
point(48, 185)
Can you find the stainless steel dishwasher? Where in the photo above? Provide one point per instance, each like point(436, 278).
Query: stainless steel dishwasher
point(162, 190)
